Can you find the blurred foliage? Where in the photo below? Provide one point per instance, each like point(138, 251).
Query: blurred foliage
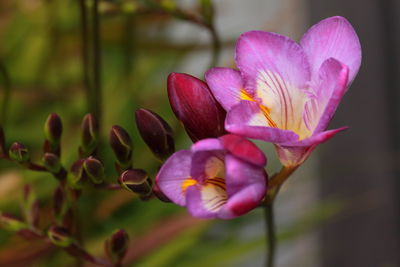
point(41, 51)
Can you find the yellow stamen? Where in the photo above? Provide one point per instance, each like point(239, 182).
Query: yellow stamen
point(188, 182)
point(266, 111)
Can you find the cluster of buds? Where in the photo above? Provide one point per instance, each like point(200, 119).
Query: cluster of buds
point(86, 169)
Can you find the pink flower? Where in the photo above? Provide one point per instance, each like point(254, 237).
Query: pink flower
point(217, 178)
point(284, 92)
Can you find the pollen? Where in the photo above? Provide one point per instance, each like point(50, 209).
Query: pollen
point(188, 182)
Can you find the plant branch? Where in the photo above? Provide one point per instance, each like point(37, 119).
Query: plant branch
point(270, 233)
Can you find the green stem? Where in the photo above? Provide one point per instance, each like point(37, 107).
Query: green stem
point(271, 234)
point(216, 44)
point(85, 48)
point(7, 93)
point(96, 98)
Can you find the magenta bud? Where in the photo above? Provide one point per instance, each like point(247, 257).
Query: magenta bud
point(156, 133)
point(53, 128)
point(12, 223)
point(117, 245)
point(19, 153)
point(52, 163)
point(90, 132)
point(60, 236)
point(194, 105)
point(94, 170)
point(136, 180)
point(121, 144)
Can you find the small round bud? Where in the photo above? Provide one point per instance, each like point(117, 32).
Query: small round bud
point(94, 170)
point(19, 153)
point(76, 176)
point(59, 236)
point(121, 144)
point(156, 133)
point(136, 180)
point(52, 163)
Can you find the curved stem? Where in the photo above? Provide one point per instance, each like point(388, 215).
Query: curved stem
point(271, 234)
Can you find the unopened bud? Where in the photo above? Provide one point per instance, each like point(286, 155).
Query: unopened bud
point(121, 144)
point(59, 236)
point(156, 133)
point(195, 106)
point(90, 132)
point(76, 177)
point(19, 153)
point(117, 245)
point(11, 222)
point(53, 128)
point(94, 170)
point(52, 163)
point(136, 180)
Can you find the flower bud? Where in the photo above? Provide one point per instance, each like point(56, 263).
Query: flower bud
point(135, 180)
point(19, 153)
point(94, 170)
point(194, 105)
point(52, 163)
point(59, 236)
point(156, 133)
point(53, 128)
point(117, 245)
point(11, 222)
point(90, 132)
point(77, 176)
point(121, 144)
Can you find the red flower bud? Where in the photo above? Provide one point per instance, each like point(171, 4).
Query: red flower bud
point(94, 170)
point(156, 133)
point(194, 105)
point(19, 153)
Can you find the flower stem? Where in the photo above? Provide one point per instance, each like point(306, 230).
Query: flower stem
point(7, 92)
point(271, 234)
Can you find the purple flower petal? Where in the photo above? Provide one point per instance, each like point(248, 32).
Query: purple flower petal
point(277, 72)
point(242, 202)
point(315, 139)
point(226, 85)
point(334, 77)
point(332, 37)
point(207, 164)
point(196, 202)
point(243, 149)
point(207, 144)
point(240, 174)
point(173, 174)
point(247, 119)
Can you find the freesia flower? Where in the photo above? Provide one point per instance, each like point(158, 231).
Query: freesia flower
point(284, 92)
point(217, 178)
point(195, 106)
